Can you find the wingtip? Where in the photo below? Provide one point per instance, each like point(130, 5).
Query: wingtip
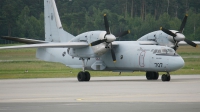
point(4, 36)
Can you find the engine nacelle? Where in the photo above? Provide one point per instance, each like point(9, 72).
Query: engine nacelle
point(179, 36)
point(160, 37)
point(90, 51)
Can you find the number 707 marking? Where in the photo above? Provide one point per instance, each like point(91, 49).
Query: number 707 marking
point(158, 64)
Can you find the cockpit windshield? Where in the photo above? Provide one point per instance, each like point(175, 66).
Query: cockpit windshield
point(170, 50)
point(163, 51)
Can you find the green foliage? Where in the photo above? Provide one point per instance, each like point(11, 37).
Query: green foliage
point(25, 18)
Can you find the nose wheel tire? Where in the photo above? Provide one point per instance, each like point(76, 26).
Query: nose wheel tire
point(166, 77)
point(83, 76)
point(152, 75)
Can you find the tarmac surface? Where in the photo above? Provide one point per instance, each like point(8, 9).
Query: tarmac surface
point(113, 94)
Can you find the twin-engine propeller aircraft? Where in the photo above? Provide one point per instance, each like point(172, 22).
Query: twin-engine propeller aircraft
point(98, 50)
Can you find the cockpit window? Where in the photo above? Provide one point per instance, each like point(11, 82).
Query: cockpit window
point(159, 51)
point(170, 50)
point(154, 51)
point(164, 51)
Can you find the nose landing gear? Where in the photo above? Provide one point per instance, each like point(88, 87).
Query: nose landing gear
point(166, 77)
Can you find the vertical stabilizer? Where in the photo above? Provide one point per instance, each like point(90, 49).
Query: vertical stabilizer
point(53, 28)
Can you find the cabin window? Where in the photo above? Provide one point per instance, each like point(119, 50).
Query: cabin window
point(159, 51)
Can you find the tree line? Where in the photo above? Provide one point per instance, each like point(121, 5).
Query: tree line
point(25, 18)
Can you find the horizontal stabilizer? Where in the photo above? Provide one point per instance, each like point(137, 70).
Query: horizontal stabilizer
point(23, 40)
point(50, 45)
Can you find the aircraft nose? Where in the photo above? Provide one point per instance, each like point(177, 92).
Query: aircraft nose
point(176, 63)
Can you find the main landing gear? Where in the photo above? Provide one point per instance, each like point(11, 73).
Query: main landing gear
point(83, 75)
point(166, 77)
point(152, 75)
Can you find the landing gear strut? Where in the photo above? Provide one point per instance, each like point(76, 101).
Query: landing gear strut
point(83, 75)
point(152, 75)
point(166, 77)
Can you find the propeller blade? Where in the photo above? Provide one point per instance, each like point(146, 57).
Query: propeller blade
point(112, 53)
point(167, 32)
point(176, 45)
point(190, 43)
point(106, 24)
point(97, 42)
point(121, 34)
point(183, 23)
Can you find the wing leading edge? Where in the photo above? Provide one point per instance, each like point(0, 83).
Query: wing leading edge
point(182, 43)
point(39, 43)
point(50, 45)
point(23, 40)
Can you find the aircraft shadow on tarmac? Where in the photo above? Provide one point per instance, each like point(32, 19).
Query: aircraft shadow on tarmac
point(108, 79)
point(145, 80)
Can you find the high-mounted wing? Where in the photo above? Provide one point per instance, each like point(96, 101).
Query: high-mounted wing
point(39, 43)
point(182, 43)
point(23, 40)
point(50, 45)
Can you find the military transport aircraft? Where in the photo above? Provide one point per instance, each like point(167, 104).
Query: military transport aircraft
point(98, 50)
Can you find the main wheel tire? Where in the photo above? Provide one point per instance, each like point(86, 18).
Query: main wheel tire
point(87, 76)
point(156, 75)
point(81, 76)
point(152, 75)
point(148, 76)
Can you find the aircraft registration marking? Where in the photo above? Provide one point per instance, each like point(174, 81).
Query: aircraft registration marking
point(158, 64)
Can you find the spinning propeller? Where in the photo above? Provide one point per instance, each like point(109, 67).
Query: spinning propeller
point(109, 38)
point(178, 36)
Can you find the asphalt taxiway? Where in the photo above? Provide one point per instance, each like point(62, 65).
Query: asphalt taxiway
point(182, 93)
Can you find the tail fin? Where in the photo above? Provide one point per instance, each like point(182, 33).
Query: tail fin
point(53, 27)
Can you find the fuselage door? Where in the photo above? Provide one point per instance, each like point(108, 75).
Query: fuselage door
point(141, 59)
